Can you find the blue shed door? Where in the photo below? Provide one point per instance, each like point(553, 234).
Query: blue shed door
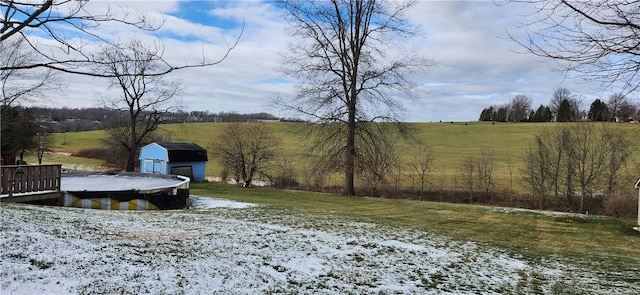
point(153, 166)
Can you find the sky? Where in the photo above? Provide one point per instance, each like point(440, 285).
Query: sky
point(476, 64)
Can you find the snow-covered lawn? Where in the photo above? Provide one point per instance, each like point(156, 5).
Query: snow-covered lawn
point(226, 247)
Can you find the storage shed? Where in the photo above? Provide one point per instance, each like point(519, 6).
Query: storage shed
point(186, 159)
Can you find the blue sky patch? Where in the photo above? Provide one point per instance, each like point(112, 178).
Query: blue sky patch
point(274, 81)
point(199, 12)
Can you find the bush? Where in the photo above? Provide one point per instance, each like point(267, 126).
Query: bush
point(94, 153)
point(621, 206)
point(110, 157)
point(284, 181)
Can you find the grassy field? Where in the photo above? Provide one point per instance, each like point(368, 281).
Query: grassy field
point(597, 242)
point(597, 246)
point(305, 243)
point(451, 142)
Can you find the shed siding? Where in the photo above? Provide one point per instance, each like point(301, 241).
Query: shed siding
point(198, 169)
point(153, 152)
point(155, 158)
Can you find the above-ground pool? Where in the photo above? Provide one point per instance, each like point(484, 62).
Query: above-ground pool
point(124, 191)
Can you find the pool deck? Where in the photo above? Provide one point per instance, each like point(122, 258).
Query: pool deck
point(115, 182)
point(30, 186)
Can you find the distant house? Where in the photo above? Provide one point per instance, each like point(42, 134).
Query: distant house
point(187, 159)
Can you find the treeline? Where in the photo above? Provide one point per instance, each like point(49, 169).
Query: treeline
point(573, 168)
point(60, 120)
point(564, 107)
point(579, 166)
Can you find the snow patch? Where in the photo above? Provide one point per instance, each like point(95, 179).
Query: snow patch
point(260, 250)
point(198, 202)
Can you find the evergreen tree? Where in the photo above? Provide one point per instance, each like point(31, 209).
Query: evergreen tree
point(487, 114)
point(18, 133)
point(502, 114)
point(597, 111)
point(547, 115)
point(538, 116)
point(564, 111)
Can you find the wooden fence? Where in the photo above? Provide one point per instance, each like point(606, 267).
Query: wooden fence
point(20, 179)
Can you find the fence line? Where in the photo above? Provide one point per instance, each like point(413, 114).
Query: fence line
point(19, 179)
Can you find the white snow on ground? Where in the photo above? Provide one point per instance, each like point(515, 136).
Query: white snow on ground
point(208, 203)
point(243, 249)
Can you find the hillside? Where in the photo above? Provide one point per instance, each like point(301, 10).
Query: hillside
point(451, 142)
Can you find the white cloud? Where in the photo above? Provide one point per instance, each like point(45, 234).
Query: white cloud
point(477, 64)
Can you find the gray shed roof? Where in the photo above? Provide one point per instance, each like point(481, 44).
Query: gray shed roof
point(184, 152)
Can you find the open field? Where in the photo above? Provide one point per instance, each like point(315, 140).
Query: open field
point(533, 234)
point(302, 243)
point(451, 142)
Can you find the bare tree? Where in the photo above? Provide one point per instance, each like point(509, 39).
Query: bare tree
point(397, 174)
point(548, 168)
point(628, 111)
point(117, 139)
point(72, 25)
point(376, 162)
point(246, 150)
point(314, 178)
point(442, 181)
point(520, 107)
point(615, 103)
point(588, 153)
point(536, 173)
point(558, 96)
point(421, 165)
point(284, 174)
point(620, 148)
point(44, 144)
point(485, 169)
point(596, 39)
point(145, 99)
point(510, 167)
point(347, 70)
point(467, 170)
point(576, 160)
point(24, 85)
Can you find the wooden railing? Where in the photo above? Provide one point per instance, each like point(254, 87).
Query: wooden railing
point(21, 179)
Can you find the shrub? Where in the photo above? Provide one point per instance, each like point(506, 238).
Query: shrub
point(110, 157)
point(94, 153)
point(621, 206)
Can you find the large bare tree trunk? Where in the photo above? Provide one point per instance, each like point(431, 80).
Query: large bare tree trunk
point(144, 98)
point(131, 160)
point(348, 80)
point(349, 186)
